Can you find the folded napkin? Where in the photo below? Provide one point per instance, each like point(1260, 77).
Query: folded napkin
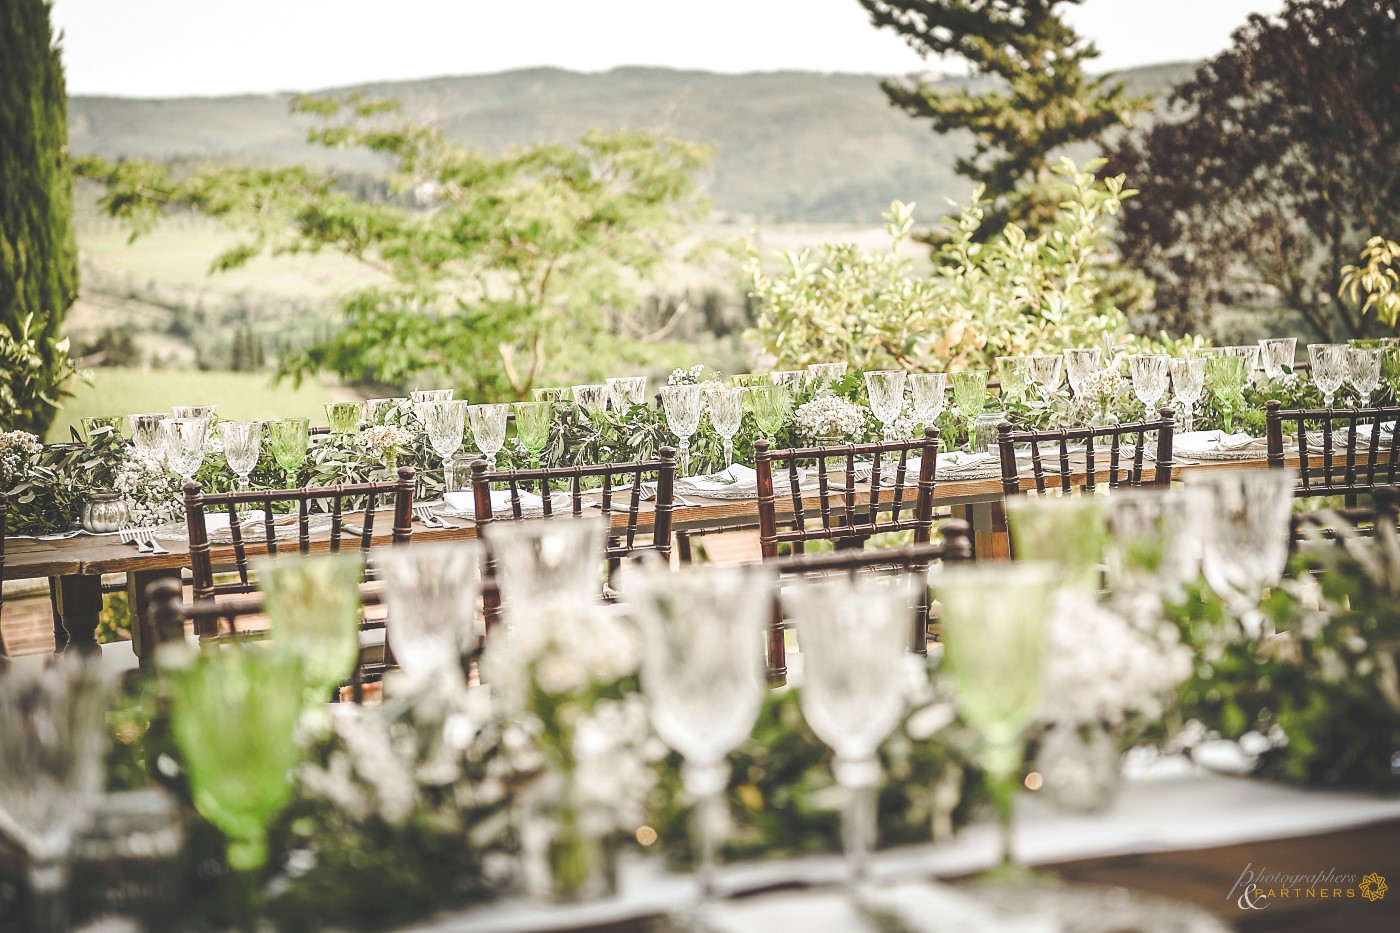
point(218, 521)
point(958, 462)
point(464, 503)
point(733, 477)
point(1213, 440)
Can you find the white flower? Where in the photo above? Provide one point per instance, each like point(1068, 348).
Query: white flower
point(381, 440)
point(829, 416)
point(18, 451)
point(685, 377)
point(1103, 668)
point(1104, 385)
point(151, 492)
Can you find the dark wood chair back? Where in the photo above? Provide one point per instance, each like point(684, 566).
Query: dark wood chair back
point(1125, 458)
point(358, 501)
point(4, 516)
point(955, 545)
point(1360, 462)
point(843, 514)
point(622, 490)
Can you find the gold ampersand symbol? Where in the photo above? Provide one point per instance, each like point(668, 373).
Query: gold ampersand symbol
point(1373, 887)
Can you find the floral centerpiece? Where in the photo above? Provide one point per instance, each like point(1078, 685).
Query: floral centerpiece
point(830, 419)
point(19, 450)
point(151, 492)
point(1103, 388)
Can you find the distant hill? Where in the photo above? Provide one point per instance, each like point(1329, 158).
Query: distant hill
point(788, 146)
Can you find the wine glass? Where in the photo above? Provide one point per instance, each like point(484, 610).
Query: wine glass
point(1150, 377)
point(926, 392)
point(374, 406)
point(885, 389)
point(590, 399)
point(683, 406)
point(1364, 372)
point(51, 769)
point(994, 621)
point(489, 429)
point(344, 417)
point(1245, 535)
point(854, 633)
point(551, 394)
point(1189, 383)
point(821, 375)
point(313, 605)
point(726, 414)
point(242, 446)
point(419, 396)
point(194, 411)
point(289, 439)
point(792, 378)
point(1329, 368)
point(1226, 375)
point(444, 423)
point(93, 424)
point(970, 396)
point(1012, 373)
point(1065, 531)
point(431, 592)
point(702, 673)
point(1277, 354)
point(532, 427)
point(233, 715)
point(1079, 363)
point(1254, 359)
point(770, 408)
point(1154, 540)
point(145, 431)
point(626, 391)
point(1046, 373)
point(184, 440)
point(546, 568)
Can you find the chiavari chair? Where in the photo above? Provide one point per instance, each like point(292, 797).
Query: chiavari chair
point(955, 545)
point(1360, 461)
point(617, 490)
point(844, 514)
point(1125, 459)
point(4, 516)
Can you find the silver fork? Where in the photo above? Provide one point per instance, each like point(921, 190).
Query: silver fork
point(131, 536)
point(149, 536)
point(424, 513)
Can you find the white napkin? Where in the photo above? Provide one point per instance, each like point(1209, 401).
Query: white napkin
point(957, 461)
point(465, 502)
point(218, 521)
point(733, 477)
point(1213, 440)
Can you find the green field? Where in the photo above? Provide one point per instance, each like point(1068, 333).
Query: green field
point(240, 396)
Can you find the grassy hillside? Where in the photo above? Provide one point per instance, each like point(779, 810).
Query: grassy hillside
point(788, 146)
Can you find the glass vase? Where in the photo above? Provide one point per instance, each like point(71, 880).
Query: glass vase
point(1081, 765)
point(1103, 418)
point(565, 855)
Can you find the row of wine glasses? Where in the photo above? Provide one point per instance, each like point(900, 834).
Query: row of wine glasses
point(1337, 364)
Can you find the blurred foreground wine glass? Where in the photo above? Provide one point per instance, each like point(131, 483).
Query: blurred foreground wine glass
point(853, 634)
point(51, 745)
point(703, 676)
point(431, 592)
point(994, 623)
point(313, 605)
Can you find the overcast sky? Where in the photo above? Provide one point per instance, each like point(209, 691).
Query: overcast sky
point(162, 48)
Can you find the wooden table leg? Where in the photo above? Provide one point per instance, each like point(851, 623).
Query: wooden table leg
point(990, 538)
point(79, 605)
point(60, 635)
point(143, 634)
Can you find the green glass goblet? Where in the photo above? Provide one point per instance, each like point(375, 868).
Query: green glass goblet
point(994, 645)
point(532, 427)
point(344, 417)
point(970, 397)
point(770, 408)
point(1066, 531)
point(289, 439)
point(313, 604)
point(93, 425)
point(233, 714)
point(1226, 375)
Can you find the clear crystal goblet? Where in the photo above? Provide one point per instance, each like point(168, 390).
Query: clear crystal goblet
point(145, 431)
point(726, 414)
point(1329, 368)
point(1080, 362)
point(1046, 372)
point(885, 389)
point(1188, 384)
point(242, 447)
point(431, 591)
point(488, 424)
point(1364, 373)
point(820, 376)
point(591, 399)
point(184, 441)
point(683, 405)
point(444, 423)
point(1277, 355)
point(1150, 378)
point(626, 391)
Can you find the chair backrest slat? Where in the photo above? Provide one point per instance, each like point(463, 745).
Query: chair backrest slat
point(1365, 463)
point(1136, 433)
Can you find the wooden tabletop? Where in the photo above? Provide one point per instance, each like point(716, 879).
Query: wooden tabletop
point(92, 555)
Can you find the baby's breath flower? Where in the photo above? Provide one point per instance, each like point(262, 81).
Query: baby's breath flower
point(829, 416)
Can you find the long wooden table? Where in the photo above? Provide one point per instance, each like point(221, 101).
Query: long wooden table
point(76, 565)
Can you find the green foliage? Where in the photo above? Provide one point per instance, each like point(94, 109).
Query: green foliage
point(1040, 100)
point(1011, 295)
point(38, 254)
point(1284, 156)
point(487, 265)
point(1378, 277)
point(1324, 690)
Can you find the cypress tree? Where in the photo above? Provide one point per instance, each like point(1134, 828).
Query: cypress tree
point(38, 253)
